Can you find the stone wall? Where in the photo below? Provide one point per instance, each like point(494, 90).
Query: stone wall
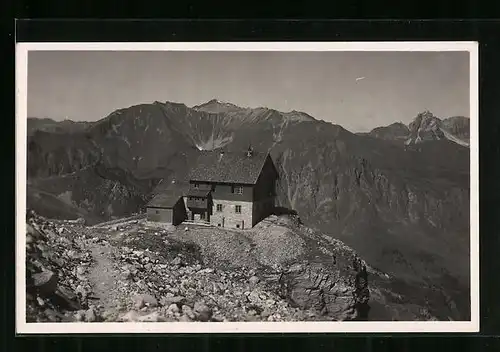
point(228, 218)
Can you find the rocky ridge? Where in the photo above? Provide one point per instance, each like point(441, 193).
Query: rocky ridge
point(130, 271)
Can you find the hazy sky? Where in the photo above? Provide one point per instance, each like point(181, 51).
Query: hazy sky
point(327, 85)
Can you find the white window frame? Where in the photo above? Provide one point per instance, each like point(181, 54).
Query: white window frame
point(238, 189)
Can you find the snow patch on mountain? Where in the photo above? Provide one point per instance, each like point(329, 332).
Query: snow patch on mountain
point(452, 138)
point(213, 142)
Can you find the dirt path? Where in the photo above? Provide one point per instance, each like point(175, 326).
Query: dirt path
point(103, 276)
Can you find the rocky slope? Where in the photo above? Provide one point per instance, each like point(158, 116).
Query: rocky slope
point(135, 271)
point(405, 210)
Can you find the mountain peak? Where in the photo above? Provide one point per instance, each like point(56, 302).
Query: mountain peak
point(426, 126)
point(216, 106)
point(217, 101)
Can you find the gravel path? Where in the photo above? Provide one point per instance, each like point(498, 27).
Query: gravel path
point(103, 276)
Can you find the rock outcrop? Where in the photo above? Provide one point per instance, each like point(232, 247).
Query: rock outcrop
point(312, 286)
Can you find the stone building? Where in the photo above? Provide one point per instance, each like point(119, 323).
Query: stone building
point(229, 189)
point(232, 189)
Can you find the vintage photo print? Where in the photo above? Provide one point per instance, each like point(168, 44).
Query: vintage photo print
point(247, 187)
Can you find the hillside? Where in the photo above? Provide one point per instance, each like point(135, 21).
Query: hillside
point(96, 193)
point(404, 210)
point(397, 132)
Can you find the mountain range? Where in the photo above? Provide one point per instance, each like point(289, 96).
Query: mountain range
point(399, 195)
point(426, 127)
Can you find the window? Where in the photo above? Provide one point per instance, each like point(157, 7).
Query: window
point(237, 209)
point(157, 212)
point(196, 185)
point(238, 226)
point(238, 189)
point(219, 207)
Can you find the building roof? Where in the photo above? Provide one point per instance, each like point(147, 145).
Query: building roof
point(193, 192)
point(179, 186)
point(164, 200)
point(229, 167)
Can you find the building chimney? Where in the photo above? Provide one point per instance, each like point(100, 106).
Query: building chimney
point(249, 151)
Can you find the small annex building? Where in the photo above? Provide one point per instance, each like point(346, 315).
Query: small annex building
point(167, 207)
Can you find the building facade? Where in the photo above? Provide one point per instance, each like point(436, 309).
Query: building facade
point(232, 190)
point(166, 208)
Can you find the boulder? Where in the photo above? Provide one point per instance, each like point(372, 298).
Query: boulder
point(173, 308)
point(188, 312)
point(202, 311)
point(79, 316)
point(167, 301)
point(29, 239)
point(254, 280)
point(176, 261)
point(130, 316)
point(143, 300)
point(91, 315)
point(34, 233)
point(126, 275)
point(149, 318)
point(68, 298)
point(45, 282)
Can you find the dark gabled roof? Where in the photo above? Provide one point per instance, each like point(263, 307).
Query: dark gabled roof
point(179, 186)
point(193, 192)
point(164, 200)
point(229, 167)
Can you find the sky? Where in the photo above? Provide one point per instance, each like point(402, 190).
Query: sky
point(357, 90)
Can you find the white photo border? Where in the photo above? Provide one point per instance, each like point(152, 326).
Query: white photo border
point(22, 327)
